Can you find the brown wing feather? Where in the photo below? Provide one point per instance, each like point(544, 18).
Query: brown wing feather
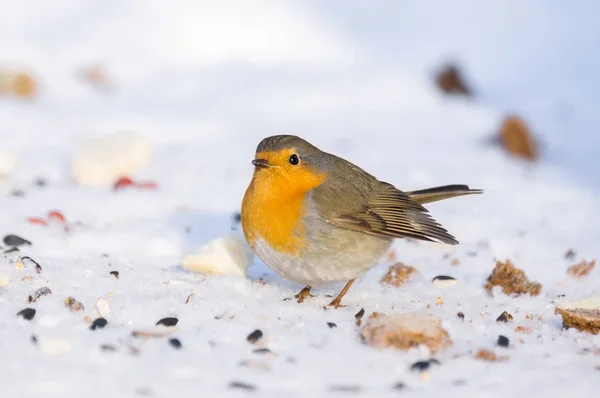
point(392, 213)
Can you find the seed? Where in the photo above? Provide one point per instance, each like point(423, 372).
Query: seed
point(359, 314)
point(254, 336)
point(503, 341)
point(242, 386)
point(175, 343)
point(107, 347)
point(14, 240)
point(264, 351)
point(42, 291)
point(27, 313)
point(168, 321)
point(102, 307)
point(73, 304)
point(444, 281)
point(461, 316)
point(420, 366)
point(331, 325)
point(98, 323)
point(504, 317)
point(115, 274)
point(189, 298)
point(38, 267)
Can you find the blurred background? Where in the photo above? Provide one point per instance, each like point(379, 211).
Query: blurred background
point(419, 93)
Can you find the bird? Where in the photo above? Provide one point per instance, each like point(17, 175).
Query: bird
point(315, 218)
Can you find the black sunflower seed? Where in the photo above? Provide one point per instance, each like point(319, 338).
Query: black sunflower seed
point(461, 315)
point(115, 274)
point(98, 323)
point(27, 313)
point(175, 343)
point(420, 366)
point(254, 336)
point(242, 386)
point(168, 321)
point(359, 314)
point(331, 325)
point(14, 240)
point(504, 317)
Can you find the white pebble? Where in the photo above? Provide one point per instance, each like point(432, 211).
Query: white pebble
point(7, 161)
point(103, 160)
point(102, 307)
point(53, 345)
point(444, 281)
point(228, 254)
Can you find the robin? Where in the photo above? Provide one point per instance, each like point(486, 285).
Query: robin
point(316, 218)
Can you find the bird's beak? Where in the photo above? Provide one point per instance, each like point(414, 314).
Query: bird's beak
point(261, 163)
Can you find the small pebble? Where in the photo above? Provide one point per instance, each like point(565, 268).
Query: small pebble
point(242, 386)
point(27, 313)
point(168, 321)
point(14, 240)
point(503, 341)
point(331, 325)
point(99, 323)
point(175, 343)
point(461, 316)
point(102, 307)
point(504, 317)
point(115, 274)
point(254, 336)
point(444, 281)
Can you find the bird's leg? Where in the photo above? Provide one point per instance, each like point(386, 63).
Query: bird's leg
point(336, 303)
point(304, 294)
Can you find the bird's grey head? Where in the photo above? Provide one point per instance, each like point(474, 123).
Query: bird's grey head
point(295, 149)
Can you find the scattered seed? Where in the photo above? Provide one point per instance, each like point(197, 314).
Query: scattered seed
point(359, 314)
point(175, 343)
point(27, 279)
point(145, 335)
point(242, 386)
point(99, 323)
point(504, 317)
point(254, 365)
point(27, 313)
point(40, 182)
point(38, 267)
point(168, 321)
point(18, 193)
point(420, 366)
point(12, 250)
point(570, 254)
point(189, 298)
point(107, 347)
point(523, 329)
point(461, 316)
point(264, 351)
point(254, 336)
point(503, 341)
point(73, 304)
point(102, 307)
point(115, 274)
point(42, 291)
point(4, 279)
point(14, 240)
point(331, 325)
point(444, 281)
point(237, 217)
point(399, 386)
point(489, 356)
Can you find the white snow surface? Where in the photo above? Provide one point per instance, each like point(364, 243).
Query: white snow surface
point(206, 81)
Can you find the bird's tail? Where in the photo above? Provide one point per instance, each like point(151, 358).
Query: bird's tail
point(440, 193)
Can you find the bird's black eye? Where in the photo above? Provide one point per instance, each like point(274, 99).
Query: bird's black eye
point(294, 159)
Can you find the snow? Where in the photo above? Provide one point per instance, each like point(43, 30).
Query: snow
point(205, 81)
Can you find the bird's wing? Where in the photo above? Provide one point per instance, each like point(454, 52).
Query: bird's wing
point(386, 211)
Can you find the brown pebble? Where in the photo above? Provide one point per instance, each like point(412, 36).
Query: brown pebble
point(512, 280)
point(398, 274)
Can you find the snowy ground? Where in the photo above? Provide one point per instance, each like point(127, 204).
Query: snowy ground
point(206, 82)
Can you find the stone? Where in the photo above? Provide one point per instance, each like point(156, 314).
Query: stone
point(512, 280)
point(405, 331)
point(398, 274)
point(582, 319)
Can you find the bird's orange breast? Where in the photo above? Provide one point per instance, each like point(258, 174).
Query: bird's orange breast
point(273, 208)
